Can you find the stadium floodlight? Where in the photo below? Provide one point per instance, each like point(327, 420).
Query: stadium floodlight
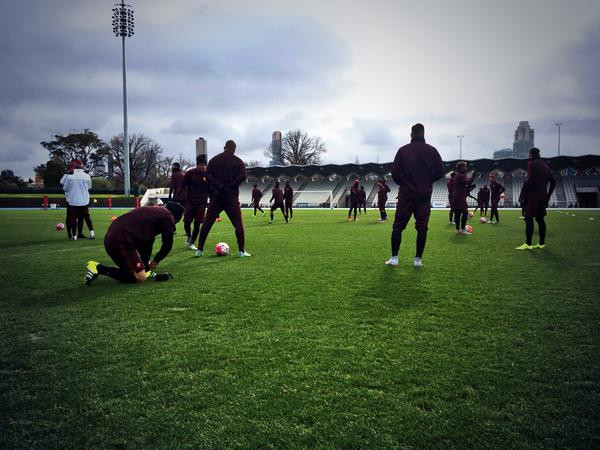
point(460, 138)
point(558, 124)
point(122, 22)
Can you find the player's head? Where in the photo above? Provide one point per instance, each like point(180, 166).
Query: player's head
point(277, 184)
point(176, 209)
point(453, 174)
point(176, 167)
point(287, 182)
point(534, 152)
point(362, 188)
point(417, 130)
point(230, 146)
point(201, 161)
point(255, 186)
point(77, 164)
point(461, 166)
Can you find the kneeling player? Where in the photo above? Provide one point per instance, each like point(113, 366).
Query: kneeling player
point(129, 241)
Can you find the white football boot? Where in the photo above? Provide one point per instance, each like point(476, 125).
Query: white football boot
point(393, 261)
point(417, 262)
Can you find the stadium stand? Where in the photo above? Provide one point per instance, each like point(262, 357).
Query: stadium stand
point(572, 175)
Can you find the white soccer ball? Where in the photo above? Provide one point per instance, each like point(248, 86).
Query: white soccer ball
point(483, 220)
point(221, 249)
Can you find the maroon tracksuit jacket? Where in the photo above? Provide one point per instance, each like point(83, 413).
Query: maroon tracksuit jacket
point(450, 185)
point(496, 190)
point(535, 192)
point(382, 196)
point(195, 185)
point(137, 229)
point(256, 195)
point(175, 189)
point(277, 196)
point(225, 173)
point(460, 192)
point(354, 194)
point(288, 195)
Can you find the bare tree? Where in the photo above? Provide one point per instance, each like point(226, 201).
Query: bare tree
point(297, 147)
point(144, 156)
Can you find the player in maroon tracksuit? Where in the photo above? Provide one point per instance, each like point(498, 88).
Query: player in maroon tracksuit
point(496, 191)
point(175, 190)
point(129, 242)
point(536, 195)
point(288, 199)
point(462, 187)
point(256, 196)
point(195, 186)
point(450, 185)
point(362, 199)
point(480, 201)
point(353, 199)
point(225, 173)
point(486, 199)
point(415, 168)
point(277, 195)
point(382, 196)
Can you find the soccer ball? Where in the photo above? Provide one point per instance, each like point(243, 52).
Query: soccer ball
point(221, 249)
point(469, 228)
point(483, 220)
point(113, 218)
point(471, 215)
point(502, 195)
point(60, 226)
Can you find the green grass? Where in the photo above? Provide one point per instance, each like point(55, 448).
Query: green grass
point(311, 342)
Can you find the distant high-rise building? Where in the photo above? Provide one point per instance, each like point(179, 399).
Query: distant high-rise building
point(503, 153)
point(201, 147)
point(524, 140)
point(276, 149)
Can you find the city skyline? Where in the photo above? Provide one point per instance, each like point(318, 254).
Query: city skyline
point(234, 71)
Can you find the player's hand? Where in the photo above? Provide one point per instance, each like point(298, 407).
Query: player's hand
point(153, 265)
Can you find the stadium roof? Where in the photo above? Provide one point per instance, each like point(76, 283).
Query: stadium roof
point(482, 165)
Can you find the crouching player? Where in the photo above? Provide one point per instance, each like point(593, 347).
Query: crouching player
point(129, 241)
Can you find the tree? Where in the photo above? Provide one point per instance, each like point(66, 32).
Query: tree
point(85, 146)
point(51, 172)
point(297, 147)
point(144, 156)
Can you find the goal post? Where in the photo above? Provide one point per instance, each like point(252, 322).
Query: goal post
point(313, 199)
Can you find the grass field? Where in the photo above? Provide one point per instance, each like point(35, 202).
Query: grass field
point(311, 342)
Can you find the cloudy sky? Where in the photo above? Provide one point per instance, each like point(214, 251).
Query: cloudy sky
point(357, 73)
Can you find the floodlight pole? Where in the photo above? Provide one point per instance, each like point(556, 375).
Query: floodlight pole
point(558, 124)
point(460, 138)
point(123, 27)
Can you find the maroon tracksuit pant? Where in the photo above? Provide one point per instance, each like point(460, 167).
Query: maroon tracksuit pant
point(233, 211)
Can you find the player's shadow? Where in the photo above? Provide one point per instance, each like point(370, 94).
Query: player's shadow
point(401, 287)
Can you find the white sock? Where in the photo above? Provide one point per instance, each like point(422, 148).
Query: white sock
point(91, 233)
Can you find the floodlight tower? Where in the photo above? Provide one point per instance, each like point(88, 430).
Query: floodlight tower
point(558, 124)
point(122, 21)
point(460, 139)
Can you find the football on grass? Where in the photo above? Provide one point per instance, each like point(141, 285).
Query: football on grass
point(60, 226)
point(471, 214)
point(469, 228)
point(483, 220)
point(221, 249)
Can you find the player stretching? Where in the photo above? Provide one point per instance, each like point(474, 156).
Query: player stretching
point(536, 197)
point(496, 190)
point(256, 196)
point(462, 186)
point(450, 185)
point(129, 241)
point(225, 173)
point(415, 168)
point(278, 203)
point(288, 199)
point(382, 195)
point(195, 186)
point(353, 199)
